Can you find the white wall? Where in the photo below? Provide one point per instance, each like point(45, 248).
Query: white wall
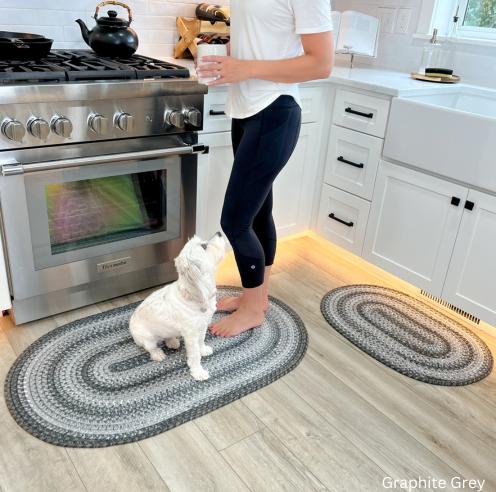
point(155, 24)
point(154, 20)
point(476, 64)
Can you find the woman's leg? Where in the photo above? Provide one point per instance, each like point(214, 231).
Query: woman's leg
point(266, 145)
point(265, 229)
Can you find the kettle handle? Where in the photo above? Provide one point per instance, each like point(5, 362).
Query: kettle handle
point(113, 2)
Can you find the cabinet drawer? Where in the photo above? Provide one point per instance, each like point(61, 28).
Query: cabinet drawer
point(359, 112)
point(343, 218)
point(215, 119)
point(311, 102)
point(352, 161)
point(216, 101)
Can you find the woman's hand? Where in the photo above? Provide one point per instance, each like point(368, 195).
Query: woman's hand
point(226, 69)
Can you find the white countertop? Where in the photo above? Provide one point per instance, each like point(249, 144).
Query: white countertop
point(383, 81)
point(380, 80)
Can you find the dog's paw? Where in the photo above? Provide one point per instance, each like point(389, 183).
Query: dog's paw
point(157, 355)
point(206, 350)
point(173, 343)
point(200, 374)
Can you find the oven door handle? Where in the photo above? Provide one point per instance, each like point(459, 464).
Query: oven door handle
point(12, 169)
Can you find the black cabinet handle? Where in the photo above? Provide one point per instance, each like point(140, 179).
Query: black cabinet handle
point(217, 113)
point(359, 113)
point(341, 221)
point(455, 201)
point(469, 205)
point(354, 164)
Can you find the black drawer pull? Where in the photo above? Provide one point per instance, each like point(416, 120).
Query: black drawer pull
point(359, 113)
point(341, 221)
point(469, 205)
point(354, 164)
point(217, 113)
point(455, 201)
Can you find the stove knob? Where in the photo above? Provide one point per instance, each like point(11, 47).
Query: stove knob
point(175, 118)
point(62, 126)
point(99, 124)
point(193, 117)
point(39, 128)
point(13, 130)
point(125, 122)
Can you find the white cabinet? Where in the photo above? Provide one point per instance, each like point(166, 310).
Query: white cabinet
point(343, 218)
point(215, 102)
point(413, 225)
point(214, 110)
point(311, 102)
point(294, 188)
point(214, 170)
point(361, 112)
point(471, 280)
point(352, 161)
point(353, 156)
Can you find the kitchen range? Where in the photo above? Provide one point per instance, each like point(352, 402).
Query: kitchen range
point(98, 160)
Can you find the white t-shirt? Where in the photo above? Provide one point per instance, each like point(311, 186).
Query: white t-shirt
point(270, 30)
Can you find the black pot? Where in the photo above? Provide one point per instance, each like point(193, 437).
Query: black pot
point(23, 46)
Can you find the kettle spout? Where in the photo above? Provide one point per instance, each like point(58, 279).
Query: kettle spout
point(84, 31)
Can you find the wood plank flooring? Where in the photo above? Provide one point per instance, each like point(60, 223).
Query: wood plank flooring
point(339, 422)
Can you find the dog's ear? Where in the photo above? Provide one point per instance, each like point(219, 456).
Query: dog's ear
point(181, 263)
point(189, 265)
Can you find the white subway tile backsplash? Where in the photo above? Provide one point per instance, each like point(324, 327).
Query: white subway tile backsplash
point(155, 23)
point(153, 20)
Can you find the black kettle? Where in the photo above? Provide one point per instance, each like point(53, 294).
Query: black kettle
point(111, 36)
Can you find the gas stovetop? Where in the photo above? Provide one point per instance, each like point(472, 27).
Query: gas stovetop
point(85, 65)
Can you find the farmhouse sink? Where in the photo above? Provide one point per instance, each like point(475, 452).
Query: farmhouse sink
point(450, 133)
point(467, 99)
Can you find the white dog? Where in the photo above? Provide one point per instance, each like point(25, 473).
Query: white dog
point(183, 308)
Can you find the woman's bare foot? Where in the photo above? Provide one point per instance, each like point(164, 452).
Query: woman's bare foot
point(232, 303)
point(242, 320)
point(249, 314)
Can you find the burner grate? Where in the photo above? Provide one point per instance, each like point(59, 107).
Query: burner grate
point(81, 65)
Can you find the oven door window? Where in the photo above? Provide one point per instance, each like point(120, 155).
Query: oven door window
point(88, 212)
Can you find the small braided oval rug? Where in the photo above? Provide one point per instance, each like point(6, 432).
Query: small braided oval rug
point(407, 335)
point(86, 384)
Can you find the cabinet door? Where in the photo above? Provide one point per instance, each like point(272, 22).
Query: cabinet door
point(296, 185)
point(414, 220)
point(294, 188)
point(471, 280)
point(214, 170)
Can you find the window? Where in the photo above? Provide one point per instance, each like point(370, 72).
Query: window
point(480, 14)
point(477, 18)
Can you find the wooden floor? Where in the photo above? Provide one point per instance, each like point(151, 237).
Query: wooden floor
point(340, 421)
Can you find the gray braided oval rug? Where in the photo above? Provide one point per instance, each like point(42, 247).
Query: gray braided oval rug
point(407, 335)
point(86, 384)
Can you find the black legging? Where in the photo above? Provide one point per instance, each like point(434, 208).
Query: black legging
point(262, 144)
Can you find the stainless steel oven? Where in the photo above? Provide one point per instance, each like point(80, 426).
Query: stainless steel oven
point(98, 163)
point(91, 221)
